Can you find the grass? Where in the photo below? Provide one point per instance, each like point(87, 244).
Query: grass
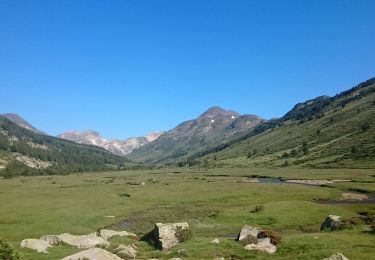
point(215, 203)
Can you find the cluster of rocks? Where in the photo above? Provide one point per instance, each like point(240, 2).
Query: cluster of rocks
point(165, 237)
point(252, 239)
point(93, 243)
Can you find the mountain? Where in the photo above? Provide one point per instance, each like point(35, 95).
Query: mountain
point(24, 152)
point(119, 147)
point(214, 126)
point(22, 123)
point(324, 132)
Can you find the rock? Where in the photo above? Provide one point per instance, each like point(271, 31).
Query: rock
point(248, 234)
point(38, 245)
point(51, 239)
point(93, 254)
point(182, 252)
point(219, 258)
point(84, 241)
point(263, 244)
point(126, 251)
point(337, 256)
point(215, 241)
point(166, 236)
point(331, 222)
point(107, 234)
point(175, 258)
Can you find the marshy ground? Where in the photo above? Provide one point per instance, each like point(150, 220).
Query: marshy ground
point(216, 203)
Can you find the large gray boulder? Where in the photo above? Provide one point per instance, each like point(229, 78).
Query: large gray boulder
point(108, 234)
point(126, 251)
point(51, 239)
point(263, 244)
point(332, 222)
point(93, 254)
point(84, 241)
point(337, 256)
point(38, 245)
point(248, 234)
point(168, 235)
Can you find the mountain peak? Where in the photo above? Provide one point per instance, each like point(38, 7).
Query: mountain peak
point(218, 111)
point(15, 118)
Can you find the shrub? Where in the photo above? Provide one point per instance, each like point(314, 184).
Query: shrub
point(258, 208)
point(347, 223)
point(365, 126)
point(7, 252)
point(274, 236)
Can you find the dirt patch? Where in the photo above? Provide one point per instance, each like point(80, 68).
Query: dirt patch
point(316, 182)
point(353, 196)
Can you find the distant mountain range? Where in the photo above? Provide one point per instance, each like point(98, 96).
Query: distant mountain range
point(336, 131)
point(119, 147)
point(214, 126)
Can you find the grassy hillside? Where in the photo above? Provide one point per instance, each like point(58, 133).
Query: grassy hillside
point(334, 131)
point(23, 152)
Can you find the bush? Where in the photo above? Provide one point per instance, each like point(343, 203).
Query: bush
point(7, 252)
point(348, 223)
point(365, 126)
point(258, 208)
point(274, 236)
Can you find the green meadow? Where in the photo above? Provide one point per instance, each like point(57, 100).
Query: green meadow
point(216, 203)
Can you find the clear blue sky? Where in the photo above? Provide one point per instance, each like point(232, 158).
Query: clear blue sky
point(125, 68)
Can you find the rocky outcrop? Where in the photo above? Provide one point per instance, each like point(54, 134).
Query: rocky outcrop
point(84, 241)
point(257, 239)
point(108, 234)
point(168, 235)
point(248, 234)
point(337, 256)
point(126, 252)
point(93, 254)
point(263, 244)
point(51, 239)
point(38, 245)
point(332, 222)
point(215, 241)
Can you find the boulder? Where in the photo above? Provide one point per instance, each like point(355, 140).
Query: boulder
point(93, 254)
point(107, 234)
point(332, 222)
point(84, 241)
point(51, 239)
point(337, 256)
point(168, 235)
point(263, 244)
point(38, 245)
point(248, 235)
point(126, 251)
point(215, 241)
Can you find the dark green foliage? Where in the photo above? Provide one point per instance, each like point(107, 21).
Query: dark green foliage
point(365, 126)
point(285, 164)
point(7, 252)
point(258, 208)
point(124, 194)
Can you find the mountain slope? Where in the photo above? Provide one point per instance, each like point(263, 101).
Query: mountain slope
point(22, 123)
point(119, 147)
point(334, 131)
point(213, 126)
point(24, 152)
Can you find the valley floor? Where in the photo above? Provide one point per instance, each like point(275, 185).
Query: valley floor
point(216, 203)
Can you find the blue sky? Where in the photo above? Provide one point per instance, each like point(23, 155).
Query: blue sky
point(126, 68)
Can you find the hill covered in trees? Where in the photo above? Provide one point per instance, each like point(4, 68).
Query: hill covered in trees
point(23, 152)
